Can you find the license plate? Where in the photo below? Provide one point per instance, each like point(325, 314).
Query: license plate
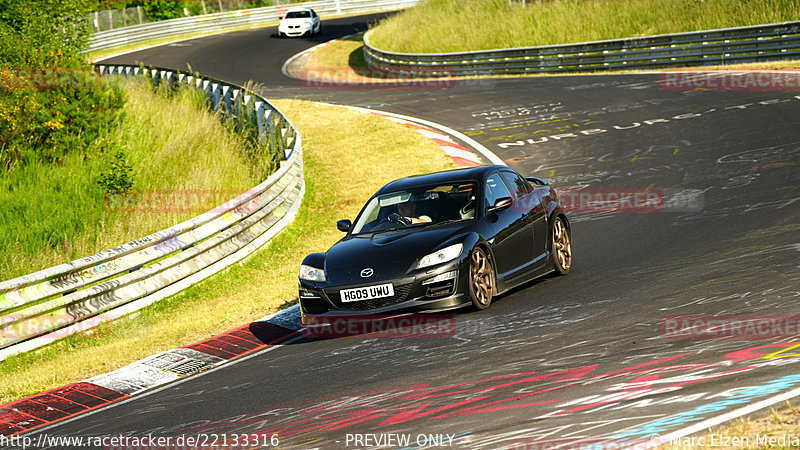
point(367, 293)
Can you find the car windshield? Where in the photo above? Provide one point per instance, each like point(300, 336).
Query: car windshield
point(298, 14)
point(417, 207)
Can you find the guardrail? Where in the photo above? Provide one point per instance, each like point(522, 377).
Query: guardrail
point(218, 22)
point(77, 295)
point(759, 43)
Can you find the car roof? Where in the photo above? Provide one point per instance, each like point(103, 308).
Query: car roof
point(295, 9)
point(447, 176)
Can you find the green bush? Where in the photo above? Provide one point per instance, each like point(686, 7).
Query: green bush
point(118, 177)
point(42, 33)
point(51, 102)
point(160, 10)
point(47, 123)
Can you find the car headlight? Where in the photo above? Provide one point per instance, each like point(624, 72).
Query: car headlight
point(441, 256)
point(309, 273)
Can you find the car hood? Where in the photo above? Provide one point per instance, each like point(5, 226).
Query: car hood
point(390, 254)
point(298, 21)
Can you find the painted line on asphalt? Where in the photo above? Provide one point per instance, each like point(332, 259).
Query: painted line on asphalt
point(735, 414)
point(460, 155)
point(289, 340)
point(60, 405)
point(655, 439)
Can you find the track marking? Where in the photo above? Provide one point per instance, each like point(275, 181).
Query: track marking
point(421, 124)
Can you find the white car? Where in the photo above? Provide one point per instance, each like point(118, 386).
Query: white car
point(299, 22)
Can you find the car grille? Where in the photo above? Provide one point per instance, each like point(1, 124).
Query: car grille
point(400, 294)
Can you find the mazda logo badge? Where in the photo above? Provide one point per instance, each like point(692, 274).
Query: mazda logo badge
point(366, 273)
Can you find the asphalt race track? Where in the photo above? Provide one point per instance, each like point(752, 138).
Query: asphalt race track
point(579, 359)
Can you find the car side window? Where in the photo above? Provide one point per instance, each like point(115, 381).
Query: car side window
point(518, 185)
point(494, 189)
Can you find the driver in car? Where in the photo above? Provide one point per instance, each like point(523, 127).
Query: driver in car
point(408, 210)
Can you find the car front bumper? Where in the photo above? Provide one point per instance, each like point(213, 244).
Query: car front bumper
point(295, 31)
point(417, 292)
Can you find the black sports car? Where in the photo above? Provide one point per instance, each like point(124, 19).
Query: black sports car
point(440, 241)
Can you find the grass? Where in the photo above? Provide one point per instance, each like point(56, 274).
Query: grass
point(344, 60)
point(341, 53)
point(340, 60)
point(172, 143)
point(438, 26)
point(153, 135)
point(347, 157)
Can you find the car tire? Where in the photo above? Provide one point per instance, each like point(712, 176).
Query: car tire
point(481, 279)
point(561, 247)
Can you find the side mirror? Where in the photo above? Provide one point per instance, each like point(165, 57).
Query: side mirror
point(344, 225)
point(500, 204)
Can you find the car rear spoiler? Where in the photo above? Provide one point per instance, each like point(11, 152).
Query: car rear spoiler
point(537, 180)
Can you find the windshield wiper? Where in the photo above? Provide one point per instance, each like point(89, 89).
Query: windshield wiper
point(390, 229)
point(448, 221)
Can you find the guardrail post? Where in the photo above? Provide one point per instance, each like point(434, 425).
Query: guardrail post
point(227, 102)
point(262, 117)
point(238, 110)
point(248, 112)
point(171, 77)
point(215, 96)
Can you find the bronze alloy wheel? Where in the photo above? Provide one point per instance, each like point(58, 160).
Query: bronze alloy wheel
point(481, 279)
point(562, 249)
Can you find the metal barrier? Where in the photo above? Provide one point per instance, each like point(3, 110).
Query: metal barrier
point(759, 43)
point(75, 296)
point(225, 21)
